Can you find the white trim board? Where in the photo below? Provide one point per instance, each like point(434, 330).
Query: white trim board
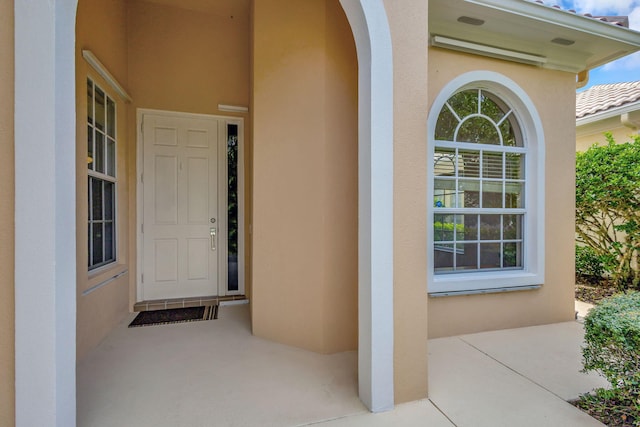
point(368, 21)
point(45, 195)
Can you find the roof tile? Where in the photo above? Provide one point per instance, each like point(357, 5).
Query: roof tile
point(601, 98)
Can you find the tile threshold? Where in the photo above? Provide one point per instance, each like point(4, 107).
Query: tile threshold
point(164, 304)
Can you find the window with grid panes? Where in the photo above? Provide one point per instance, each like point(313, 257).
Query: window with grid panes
point(101, 162)
point(479, 183)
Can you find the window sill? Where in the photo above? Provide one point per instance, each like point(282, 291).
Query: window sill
point(482, 283)
point(484, 291)
point(103, 276)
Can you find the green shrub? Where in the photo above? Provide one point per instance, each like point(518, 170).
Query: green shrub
point(589, 265)
point(608, 206)
point(612, 348)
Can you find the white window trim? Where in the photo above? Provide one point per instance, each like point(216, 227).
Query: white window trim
point(532, 274)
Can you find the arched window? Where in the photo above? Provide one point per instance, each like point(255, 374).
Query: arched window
point(485, 180)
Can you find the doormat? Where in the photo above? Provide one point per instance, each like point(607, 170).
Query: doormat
point(175, 315)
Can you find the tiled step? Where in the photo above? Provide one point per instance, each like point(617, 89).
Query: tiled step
point(184, 302)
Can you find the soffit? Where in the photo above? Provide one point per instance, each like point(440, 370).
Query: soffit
point(236, 8)
point(528, 27)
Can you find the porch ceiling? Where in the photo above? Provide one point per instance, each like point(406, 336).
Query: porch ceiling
point(236, 8)
point(529, 27)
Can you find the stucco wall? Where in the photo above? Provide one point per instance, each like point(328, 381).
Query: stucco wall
point(409, 32)
point(188, 61)
point(592, 133)
point(305, 175)
point(101, 28)
point(7, 308)
point(553, 94)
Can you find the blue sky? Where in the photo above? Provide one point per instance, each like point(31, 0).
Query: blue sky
point(626, 69)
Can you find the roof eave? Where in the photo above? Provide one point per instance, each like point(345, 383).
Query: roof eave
point(627, 38)
point(564, 19)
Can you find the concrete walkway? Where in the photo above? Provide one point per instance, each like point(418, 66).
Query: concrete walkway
point(582, 308)
point(217, 374)
point(518, 377)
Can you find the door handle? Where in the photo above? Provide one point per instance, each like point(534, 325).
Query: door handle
point(213, 232)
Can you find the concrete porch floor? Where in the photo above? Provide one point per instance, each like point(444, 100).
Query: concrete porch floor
point(215, 373)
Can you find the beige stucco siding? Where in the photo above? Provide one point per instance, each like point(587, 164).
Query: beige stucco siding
point(188, 61)
point(553, 94)
point(593, 133)
point(101, 28)
point(305, 175)
point(409, 39)
point(7, 197)
point(341, 181)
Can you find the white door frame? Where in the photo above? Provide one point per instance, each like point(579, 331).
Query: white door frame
point(45, 274)
point(222, 223)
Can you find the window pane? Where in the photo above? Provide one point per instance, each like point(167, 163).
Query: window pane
point(490, 255)
point(467, 256)
point(90, 245)
point(111, 118)
point(109, 200)
point(471, 193)
point(491, 165)
point(444, 163)
point(514, 195)
point(109, 250)
point(232, 202)
point(490, 227)
point(514, 166)
point(111, 157)
point(90, 162)
point(443, 258)
point(89, 101)
point(96, 199)
point(467, 228)
point(97, 241)
point(444, 193)
point(511, 136)
point(446, 125)
point(512, 225)
point(464, 103)
point(98, 154)
point(469, 164)
point(443, 228)
point(492, 194)
point(490, 107)
point(512, 256)
point(478, 130)
point(99, 109)
point(90, 199)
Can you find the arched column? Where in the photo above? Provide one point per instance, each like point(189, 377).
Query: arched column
point(45, 260)
point(368, 20)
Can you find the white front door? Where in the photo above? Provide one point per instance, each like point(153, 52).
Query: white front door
point(180, 224)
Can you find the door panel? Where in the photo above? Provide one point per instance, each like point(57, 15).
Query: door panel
point(166, 189)
point(197, 184)
point(180, 196)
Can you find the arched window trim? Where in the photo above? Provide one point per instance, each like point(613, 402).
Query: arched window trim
point(525, 113)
